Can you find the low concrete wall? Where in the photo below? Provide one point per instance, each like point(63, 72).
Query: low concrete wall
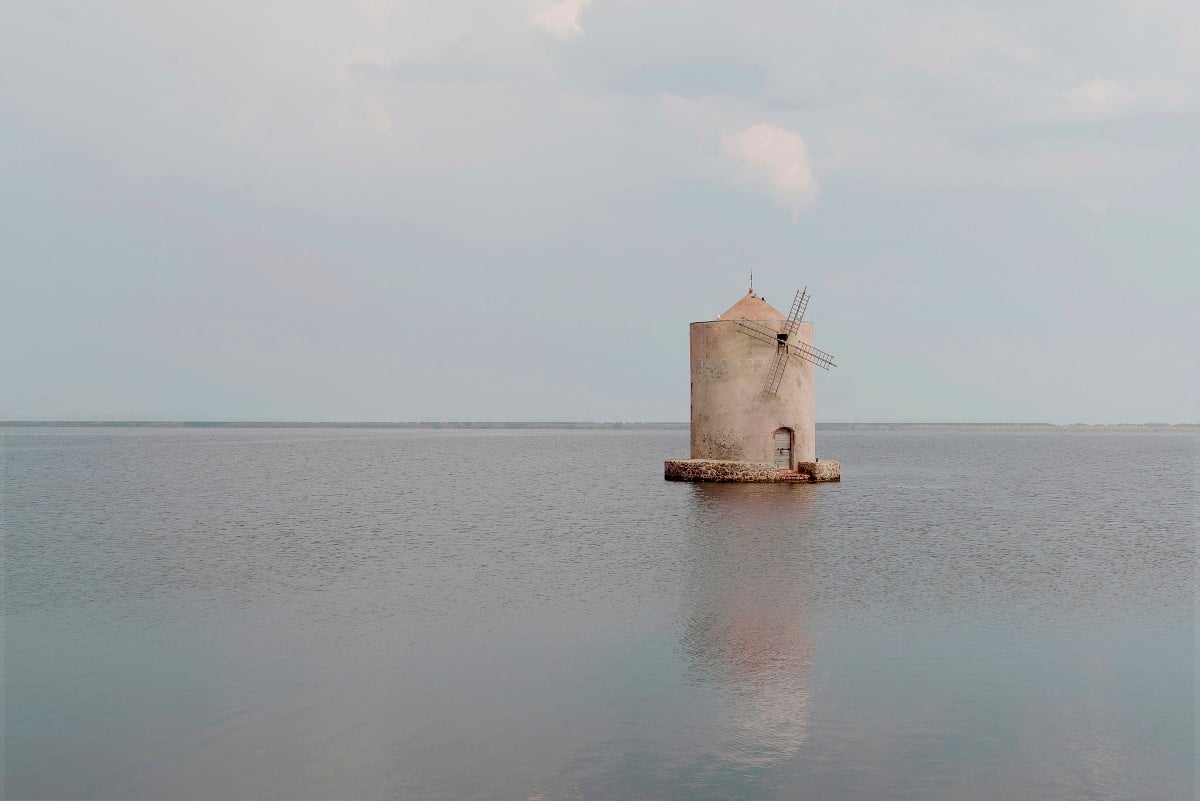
point(749, 472)
point(828, 470)
point(714, 470)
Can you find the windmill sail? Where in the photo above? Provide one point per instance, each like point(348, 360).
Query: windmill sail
point(775, 371)
point(799, 305)
point(803, 350)
point(779, 363)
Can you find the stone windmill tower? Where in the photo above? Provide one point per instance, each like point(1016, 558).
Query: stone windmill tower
point(753, 408)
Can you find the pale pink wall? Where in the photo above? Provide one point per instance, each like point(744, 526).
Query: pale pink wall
point(730, 417)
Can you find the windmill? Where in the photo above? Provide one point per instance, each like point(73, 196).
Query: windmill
point(745, 428)
point(785, 345)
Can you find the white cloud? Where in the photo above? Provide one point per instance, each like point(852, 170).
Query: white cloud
point(560, 19)
point(948, 43)
point(1097, 202)
point(776, 160)
point(955, 97)
point(1100, 97)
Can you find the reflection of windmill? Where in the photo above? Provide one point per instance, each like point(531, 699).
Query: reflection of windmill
point(749, 623)
point(785, 345)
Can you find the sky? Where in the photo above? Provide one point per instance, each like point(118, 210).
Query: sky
point(512, 209)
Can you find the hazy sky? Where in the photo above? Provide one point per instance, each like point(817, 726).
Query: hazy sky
point(500, 210)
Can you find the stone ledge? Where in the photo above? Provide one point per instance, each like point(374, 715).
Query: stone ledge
point(749, 472)
point(714, 470)
point(828, 470)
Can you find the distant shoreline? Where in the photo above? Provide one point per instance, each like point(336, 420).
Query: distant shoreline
point(592, 426)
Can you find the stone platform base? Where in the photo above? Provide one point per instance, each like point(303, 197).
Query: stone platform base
point(749, 472)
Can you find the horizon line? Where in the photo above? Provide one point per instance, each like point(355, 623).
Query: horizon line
point(247, 423)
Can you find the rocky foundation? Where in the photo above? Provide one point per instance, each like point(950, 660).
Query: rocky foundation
point(750, 472)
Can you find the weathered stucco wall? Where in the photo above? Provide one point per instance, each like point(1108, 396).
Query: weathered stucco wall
point(731, 420)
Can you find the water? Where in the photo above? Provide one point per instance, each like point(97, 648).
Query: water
point(343, 613)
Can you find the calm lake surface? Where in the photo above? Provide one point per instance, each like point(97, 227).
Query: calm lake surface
point(411, 614)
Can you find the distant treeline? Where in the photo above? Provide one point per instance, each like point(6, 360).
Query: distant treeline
point(589, 426)
point(338, 424)
point(1013, 427)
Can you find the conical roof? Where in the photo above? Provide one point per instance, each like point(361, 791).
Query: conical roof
point(751, 307)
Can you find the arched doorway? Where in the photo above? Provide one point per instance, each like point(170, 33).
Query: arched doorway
point(783, 448)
